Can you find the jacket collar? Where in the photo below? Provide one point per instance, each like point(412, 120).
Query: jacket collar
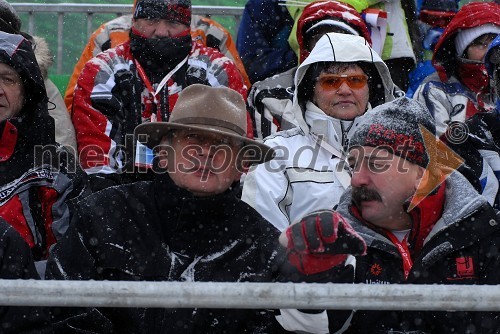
point(460, 200)
point(424, 217)
point(333, 130)
point(166, 191)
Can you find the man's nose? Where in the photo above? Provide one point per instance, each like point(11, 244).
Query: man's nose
point(360, 176)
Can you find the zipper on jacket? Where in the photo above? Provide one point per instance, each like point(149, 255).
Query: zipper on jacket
point(345, 140)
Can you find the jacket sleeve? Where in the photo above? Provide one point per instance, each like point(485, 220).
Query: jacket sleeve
point(317, 321)
point(16, 262)
point(98, 115)
point(487, 322)
point(262, 124)
point(71, 185)
point(61, 265)
point(263, 39)
point(214, 35)
point(267, 102)
point(267, 189)
point(100, 40)
point(482, 144)
point(435, 99)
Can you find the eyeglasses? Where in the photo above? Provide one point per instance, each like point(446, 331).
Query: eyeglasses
point(334, 81)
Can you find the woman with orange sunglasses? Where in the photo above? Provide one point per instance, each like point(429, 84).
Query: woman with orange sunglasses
point(341, 79)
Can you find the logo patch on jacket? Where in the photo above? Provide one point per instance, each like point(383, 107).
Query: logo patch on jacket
point(465, 266)
point(376, 269)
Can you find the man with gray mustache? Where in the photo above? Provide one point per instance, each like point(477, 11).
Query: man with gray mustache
point(407, 218)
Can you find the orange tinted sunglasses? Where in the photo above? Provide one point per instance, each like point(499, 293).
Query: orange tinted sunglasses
point(334, 81)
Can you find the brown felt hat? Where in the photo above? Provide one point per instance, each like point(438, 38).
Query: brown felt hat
point(211, 109)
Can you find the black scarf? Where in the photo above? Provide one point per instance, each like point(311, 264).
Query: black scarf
point(159, 54)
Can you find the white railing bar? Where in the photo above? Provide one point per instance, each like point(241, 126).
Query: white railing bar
point(250, 295)
point(23, 7)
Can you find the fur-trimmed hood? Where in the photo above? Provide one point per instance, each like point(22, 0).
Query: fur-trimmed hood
point(43, 55)
point(34, 125)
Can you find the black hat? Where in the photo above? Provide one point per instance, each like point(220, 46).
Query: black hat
point(9, 21)
point(172, 10)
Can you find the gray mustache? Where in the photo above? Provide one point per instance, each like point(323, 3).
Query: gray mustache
point(364, 194)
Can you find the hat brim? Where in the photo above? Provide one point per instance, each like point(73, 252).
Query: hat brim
point(252, 150)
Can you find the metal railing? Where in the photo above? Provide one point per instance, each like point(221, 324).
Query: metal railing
point(89, 11)
point(251, 295)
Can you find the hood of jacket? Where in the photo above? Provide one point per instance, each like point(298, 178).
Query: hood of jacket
point(323, 10)
point(488, 60)
point(43, 55)
point(493, 67)
point(34, 125)
point(474, 14)
point(334, 47)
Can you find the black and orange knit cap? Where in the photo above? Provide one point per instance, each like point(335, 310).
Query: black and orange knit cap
point(395, 127)
point(172, 10)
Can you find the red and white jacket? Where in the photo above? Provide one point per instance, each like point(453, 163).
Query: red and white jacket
point(111, 99)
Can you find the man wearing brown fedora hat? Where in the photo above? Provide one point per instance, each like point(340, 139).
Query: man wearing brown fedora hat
point(186, 225)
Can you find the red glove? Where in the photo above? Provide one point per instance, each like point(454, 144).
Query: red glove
point(320, 241)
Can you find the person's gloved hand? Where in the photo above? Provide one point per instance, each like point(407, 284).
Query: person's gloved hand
point(320, 241)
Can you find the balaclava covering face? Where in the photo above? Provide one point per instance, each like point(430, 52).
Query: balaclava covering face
point(161, 54)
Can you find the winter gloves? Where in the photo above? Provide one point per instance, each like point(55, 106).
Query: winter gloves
point(321, 241)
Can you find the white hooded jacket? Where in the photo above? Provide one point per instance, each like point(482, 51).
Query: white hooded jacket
point(308, 172)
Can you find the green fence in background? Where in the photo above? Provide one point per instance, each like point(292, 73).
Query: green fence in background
point(61, 81)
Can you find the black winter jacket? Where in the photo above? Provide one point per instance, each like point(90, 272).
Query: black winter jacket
point(462, 248)
point(38, 179)
point(16, 262)
point(155, 231)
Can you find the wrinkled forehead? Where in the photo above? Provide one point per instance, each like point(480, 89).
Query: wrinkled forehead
point(7, 69)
